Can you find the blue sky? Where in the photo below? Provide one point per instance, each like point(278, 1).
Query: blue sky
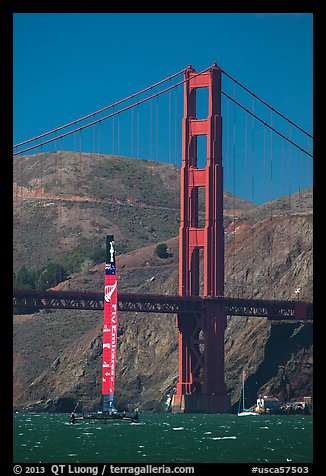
point(67, 65)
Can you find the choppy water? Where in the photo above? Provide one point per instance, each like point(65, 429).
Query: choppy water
point(164, 438)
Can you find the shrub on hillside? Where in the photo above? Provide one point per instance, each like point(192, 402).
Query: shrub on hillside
point(162, 251)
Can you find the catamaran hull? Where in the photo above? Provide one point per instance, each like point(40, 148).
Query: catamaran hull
point(104, 419)
point(247, 414)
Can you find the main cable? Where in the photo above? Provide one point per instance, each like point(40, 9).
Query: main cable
point(109, 115)
point(99, 111)
point(266, 104)
point(266, 124)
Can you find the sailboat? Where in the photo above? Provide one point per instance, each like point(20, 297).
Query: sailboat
point(242, 410)
point(110, 328)
point(110, 334)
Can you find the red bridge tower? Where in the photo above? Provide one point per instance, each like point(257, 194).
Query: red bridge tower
point(201, 386)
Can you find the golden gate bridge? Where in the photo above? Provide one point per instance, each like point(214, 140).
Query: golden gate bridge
point(256, 148)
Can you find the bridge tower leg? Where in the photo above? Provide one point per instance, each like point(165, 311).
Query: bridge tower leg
point(201, 386)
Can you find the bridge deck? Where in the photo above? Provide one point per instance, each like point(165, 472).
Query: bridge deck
point(82, 300)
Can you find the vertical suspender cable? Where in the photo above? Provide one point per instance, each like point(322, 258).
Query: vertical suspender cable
point(227, 142)
point(113, 135)
point(19, 206)
point(309, 167)
point(310, 234)
point(99, 140)
point(175, 124)
point(137, 175)
point(55, 264)
point(265, 170)
point(282, 178)
point(175, 143)
point(246, 183)
point(150, 134)
point(93, 164)
point(300, 182)
point(119, 135)
point(253, 154)
point(252, 182)
point(156, 130)
point(246, 156)
point(150, 128)
point(265, 195)
point(286, 211)
point(60, 204)
point(81, 203)
point(137, 132)
point(228, 290)
point(290, 204)
point(271, 203)
point(100, 207)
point(271, 166)
point(132, 132)
point(234, 218)
point(23, 216)
point(119, 157)
point(96, 163)
point(169, 137)
point(41, 220)
point(156, 156)
point(73, 251)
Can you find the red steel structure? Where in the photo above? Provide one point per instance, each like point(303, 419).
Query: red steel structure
point(201, 386)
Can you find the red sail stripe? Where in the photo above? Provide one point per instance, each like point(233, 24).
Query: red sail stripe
point(110, 332)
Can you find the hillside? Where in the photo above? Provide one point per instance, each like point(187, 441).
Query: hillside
point(57, 354)
point(68, 201)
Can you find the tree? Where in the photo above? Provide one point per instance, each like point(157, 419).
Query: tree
point(86, 265)
point(162, 251)
point(24, 278)
point(51, 275)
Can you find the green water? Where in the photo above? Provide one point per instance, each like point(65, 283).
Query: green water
point(164, 438)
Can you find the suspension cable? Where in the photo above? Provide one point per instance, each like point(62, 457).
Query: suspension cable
point(141, 102)
point(266, 124)
point(99, 111)
point(110, 115)
point(266, 104)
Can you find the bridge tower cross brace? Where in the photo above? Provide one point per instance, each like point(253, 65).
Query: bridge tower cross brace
point(201, 386)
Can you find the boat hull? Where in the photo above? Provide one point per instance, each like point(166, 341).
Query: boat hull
point(104, 418)
point(247, 414)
